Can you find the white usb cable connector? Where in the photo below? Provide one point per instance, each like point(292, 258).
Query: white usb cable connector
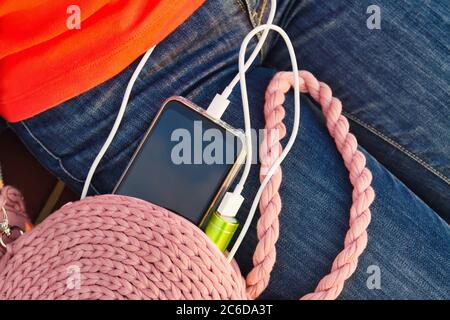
point(218, 106)
point(232, 201)
point(220, 102)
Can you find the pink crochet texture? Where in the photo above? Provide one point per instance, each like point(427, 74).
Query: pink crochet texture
point(125, 248)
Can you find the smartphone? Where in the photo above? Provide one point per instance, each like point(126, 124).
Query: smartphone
point(186, 161)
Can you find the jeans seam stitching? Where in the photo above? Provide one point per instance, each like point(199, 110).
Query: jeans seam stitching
point(241, 5)
point(255, 19)
point(399, 147)
point(249, 12)
point(263, 9)
point(53, 156)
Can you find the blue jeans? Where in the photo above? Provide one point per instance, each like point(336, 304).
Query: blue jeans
point(395, 87)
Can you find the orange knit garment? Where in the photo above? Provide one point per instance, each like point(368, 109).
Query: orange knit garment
point(44, 61)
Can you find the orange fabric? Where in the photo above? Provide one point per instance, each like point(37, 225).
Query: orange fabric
point(43, 63)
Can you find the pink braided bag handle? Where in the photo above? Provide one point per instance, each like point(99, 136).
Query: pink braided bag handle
point(270, 204)
point(126, 248)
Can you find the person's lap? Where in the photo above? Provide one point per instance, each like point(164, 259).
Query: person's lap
point(194, 62)
point(407, 240)
point(393, 82)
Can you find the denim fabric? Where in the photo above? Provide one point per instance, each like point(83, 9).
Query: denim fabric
point(394, 82)
point(408, 241)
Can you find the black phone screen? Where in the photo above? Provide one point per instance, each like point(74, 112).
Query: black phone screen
point(182, 163)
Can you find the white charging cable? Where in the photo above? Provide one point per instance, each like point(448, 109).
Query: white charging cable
point(117, 123)
point(216, 108)
point(232, 201)
point(220, 102)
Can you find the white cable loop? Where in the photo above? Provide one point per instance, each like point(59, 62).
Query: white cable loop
point(273, 8)
point(243, 67)
point(247, 121)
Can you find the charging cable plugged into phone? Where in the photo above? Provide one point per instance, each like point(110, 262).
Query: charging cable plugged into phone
point(223, 224)
point(224, 219)
point(220, 225)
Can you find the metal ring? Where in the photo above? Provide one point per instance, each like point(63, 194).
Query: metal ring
point(5, 214)
point(6, 236)
point(2, 243)
point(4, 223)
point(7, 231)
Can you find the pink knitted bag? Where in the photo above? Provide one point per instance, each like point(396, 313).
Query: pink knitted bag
point(116, 247)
